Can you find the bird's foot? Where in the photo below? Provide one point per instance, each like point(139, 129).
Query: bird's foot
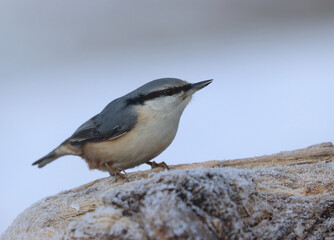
point(153, 164)
point(117, 173)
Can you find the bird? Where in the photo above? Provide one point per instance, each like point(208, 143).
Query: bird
point(130, 130)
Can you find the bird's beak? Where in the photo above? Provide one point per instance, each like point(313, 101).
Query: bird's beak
point(197, 86)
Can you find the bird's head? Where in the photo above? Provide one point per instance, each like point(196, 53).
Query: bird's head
point(165, 94)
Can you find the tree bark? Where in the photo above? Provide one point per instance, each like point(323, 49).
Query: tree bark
point(288, 195)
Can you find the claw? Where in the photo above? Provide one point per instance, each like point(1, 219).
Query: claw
point(153, 164)
point(117, 173)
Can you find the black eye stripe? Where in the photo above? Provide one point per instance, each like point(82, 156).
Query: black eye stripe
point(140, 99)
point(169, 92)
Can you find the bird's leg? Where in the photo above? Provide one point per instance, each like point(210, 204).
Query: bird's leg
point(153, 164)
point(117, 173)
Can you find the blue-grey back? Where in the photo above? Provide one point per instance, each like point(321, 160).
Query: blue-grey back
point(118, 116)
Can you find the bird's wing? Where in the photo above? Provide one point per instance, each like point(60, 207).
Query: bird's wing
point(115, 120)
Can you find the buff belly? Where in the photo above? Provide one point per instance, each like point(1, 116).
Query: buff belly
point(138, 146)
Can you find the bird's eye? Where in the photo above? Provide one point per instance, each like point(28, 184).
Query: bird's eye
point(168, 92)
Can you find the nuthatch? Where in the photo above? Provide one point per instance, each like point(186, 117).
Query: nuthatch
point(132, 129)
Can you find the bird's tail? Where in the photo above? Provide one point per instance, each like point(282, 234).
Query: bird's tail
point(46, 159)
point(62, 150)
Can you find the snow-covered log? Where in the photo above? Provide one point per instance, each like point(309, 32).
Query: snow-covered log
point(289, 195)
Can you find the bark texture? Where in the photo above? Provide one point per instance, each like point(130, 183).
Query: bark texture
point(282, 196)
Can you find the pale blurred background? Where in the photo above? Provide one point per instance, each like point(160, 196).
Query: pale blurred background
point(62, 61)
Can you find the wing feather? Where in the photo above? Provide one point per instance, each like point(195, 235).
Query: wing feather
point(114, 121)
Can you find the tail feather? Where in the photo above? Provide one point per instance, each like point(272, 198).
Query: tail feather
point(46, 159)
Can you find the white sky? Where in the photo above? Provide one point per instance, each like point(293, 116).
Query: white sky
point(62, 62)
